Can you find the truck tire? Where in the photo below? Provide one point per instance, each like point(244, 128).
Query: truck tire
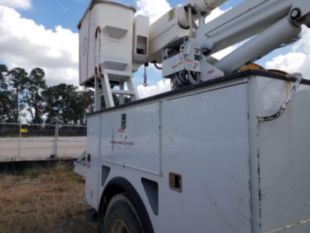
point(121, 216)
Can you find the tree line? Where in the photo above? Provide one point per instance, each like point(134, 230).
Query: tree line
point(27, 96)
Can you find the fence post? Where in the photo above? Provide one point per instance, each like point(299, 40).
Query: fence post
point(55, 155)
point(19, 141)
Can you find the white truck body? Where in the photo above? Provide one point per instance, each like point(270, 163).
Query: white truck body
point(201, 161)
point(224, 152)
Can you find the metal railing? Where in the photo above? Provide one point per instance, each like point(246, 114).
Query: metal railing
point(35, 142)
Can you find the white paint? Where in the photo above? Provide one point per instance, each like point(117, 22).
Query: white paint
point(211, 137)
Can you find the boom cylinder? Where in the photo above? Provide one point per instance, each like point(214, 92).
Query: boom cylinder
point(206, 6)
point(281, 33)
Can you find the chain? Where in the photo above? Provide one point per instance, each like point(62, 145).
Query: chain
point(145, 77)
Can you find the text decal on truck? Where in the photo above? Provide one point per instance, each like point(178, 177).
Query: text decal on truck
point(120, 136)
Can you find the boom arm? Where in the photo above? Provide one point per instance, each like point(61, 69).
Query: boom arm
point(175, 25)
point(267, 24)
point(278, 22)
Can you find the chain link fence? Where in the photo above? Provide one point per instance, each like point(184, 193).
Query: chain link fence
point(35, 142)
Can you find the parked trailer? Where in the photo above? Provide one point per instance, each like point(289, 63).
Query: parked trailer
point(210, 158)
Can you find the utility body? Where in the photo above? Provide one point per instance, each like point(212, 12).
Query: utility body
point(225, 150)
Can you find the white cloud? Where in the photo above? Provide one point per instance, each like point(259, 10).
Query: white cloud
point(290, 62)
point(161, 87)
point(24, 43)
point(21, 4)
point(153, 9)
point(297, 60)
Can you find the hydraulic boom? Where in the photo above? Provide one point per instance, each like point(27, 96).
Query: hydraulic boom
point(261, 26)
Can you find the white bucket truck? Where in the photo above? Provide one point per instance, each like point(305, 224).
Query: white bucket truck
point(226, 150)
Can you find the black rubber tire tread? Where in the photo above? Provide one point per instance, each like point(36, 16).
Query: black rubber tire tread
point(121, 208)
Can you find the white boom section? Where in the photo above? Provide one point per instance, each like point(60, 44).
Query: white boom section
point(273, 20)
point(282, 32)
point(175, 25)
point(242, 22)
point(268, 24)
point(206, 6)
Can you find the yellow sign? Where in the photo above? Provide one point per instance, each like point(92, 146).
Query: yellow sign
point(24, 130)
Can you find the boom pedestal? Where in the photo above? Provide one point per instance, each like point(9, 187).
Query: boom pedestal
point(107, 96)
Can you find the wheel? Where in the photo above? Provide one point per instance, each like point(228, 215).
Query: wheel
point(121, 216)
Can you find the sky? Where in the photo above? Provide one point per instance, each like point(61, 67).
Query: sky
point(43, 33)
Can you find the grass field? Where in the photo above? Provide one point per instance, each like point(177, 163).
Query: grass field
point(44, 201)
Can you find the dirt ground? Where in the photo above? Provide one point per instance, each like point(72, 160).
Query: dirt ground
point(44, 201)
